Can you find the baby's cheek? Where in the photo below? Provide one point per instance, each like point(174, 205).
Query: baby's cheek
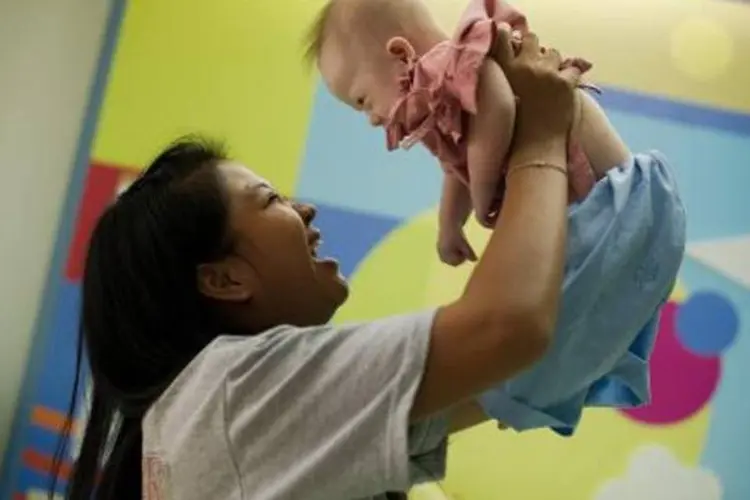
point(391, 95)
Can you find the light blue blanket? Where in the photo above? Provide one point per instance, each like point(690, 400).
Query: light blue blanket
point(625, 245)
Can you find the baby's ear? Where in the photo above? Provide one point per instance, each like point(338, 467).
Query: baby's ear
point(400, 48)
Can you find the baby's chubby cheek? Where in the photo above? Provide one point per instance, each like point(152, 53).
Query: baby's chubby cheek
point(388, 104)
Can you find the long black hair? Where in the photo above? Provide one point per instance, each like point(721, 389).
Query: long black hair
point(142, 317)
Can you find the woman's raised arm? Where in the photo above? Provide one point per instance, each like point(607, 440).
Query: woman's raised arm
point(503, 320)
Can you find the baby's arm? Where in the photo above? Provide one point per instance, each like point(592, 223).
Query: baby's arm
point(597, 136)
point(490, 135)
point(455, 207)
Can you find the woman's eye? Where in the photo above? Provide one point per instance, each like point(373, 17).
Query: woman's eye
point(272, 198)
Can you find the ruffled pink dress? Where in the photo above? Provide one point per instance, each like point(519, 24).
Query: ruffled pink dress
point(439, 91)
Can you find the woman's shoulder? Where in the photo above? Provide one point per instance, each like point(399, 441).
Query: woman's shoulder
point(206, 373)
point(328, 392)
point(261, 362)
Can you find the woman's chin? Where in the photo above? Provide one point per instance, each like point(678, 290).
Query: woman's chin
point(328, 269)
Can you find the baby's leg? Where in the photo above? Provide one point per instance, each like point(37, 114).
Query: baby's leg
point(597, 136)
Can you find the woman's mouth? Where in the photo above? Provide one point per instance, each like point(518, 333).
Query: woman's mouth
point(329, 261)
point(314, 242)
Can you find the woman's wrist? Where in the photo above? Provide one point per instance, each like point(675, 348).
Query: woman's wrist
point(548, 149)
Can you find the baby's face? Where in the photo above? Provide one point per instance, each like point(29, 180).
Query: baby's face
point(365, 78)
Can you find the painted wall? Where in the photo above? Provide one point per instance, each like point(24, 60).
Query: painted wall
point(678, 84)
point(48, 54)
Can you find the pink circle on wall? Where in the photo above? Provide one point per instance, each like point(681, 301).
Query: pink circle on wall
point(681, 382)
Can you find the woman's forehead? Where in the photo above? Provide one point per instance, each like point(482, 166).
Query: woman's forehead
point(239, 177)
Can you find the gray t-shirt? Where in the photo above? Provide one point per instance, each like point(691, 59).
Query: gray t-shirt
point(297, 413)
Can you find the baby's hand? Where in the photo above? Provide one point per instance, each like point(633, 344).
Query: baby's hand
point(454, 249)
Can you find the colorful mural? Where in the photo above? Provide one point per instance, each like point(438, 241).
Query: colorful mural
point(233, 70)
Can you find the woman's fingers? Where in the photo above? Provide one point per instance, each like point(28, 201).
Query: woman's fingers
point(529, 45)
point(552, 58)
point(503, 50)
point(580, 63)
point(572, 75)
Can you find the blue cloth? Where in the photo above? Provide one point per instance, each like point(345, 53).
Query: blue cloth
point(625, 245)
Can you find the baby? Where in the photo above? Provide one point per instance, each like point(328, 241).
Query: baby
point(626, 233)
point(389, 59)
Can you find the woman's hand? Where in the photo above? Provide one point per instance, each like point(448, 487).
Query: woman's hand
point(544, 86)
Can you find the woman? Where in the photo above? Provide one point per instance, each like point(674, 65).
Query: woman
point(204, 321)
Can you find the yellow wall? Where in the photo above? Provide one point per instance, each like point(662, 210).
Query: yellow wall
point(233, 69)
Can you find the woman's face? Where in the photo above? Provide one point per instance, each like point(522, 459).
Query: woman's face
point(274, 275)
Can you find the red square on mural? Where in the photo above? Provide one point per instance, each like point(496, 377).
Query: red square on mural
point(103, 183)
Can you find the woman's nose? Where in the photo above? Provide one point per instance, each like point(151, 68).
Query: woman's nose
point(306, 211)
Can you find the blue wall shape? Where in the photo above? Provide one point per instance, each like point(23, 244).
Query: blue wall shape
point(348, 235)
point(54, 384)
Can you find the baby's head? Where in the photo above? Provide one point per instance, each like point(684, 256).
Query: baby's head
point(363, 47)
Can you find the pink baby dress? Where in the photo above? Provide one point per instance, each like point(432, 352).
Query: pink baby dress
point(439, 91)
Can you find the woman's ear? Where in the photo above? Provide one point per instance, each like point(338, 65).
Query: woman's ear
point(227, 280)
point(400, 48)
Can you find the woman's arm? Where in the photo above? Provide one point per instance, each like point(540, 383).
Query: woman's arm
point(465, 416)
point(503, 320)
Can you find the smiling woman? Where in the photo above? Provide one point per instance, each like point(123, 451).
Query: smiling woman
point(204, 321)
point(273, 243)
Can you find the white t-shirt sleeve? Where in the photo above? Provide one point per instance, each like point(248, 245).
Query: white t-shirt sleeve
point(324, 412)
